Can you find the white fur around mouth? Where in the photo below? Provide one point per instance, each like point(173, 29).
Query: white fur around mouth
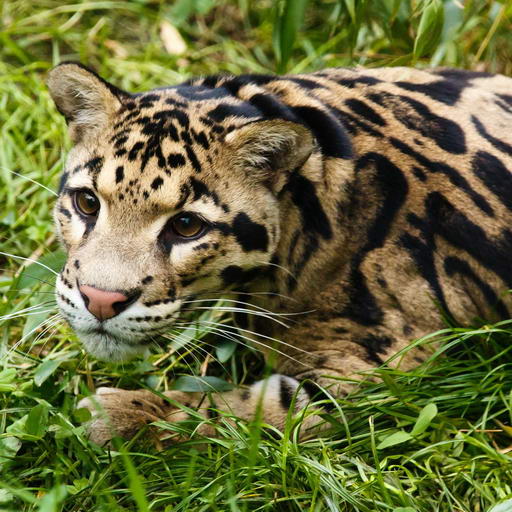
point(107, 347)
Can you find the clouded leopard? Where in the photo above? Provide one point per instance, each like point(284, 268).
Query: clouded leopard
point(372, 199)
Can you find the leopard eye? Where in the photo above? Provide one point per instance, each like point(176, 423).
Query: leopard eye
point(187, 225)
point(86, 203)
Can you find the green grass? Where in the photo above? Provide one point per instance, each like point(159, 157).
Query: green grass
point(435, 439)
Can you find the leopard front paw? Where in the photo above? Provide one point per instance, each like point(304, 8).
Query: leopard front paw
point(118, 412)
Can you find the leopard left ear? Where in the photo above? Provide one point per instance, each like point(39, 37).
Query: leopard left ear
point(86, 100)
point(267, 148)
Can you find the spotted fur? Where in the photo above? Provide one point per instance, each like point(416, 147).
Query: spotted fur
point(373, 199)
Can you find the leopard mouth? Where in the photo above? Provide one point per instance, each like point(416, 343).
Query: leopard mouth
point(106, 346)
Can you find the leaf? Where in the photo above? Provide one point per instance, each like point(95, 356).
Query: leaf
point(506, 429)
point(51, 501)
point(5, 496)
point(289, 17)
point(45, 370)
point(192, 383)
point(37, 421)
point(34, 320)
point(41, 270)
point(7, 377)
point(182, 10)
point(394, 439)
point(351, 8)
point(79, 484)
point(504, 506)
point(404, 509)
point(429, 29)
point(224, 350)
point(82, 415)
point(427, 414)
point(9, 447)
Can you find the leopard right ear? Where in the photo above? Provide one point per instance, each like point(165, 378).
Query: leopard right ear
point(86, 100)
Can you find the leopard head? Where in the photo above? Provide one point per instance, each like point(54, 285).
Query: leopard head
point(166, 195)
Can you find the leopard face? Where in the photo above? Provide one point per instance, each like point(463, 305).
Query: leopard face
point(160, 204)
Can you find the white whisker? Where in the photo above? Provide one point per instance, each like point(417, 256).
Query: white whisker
point(267, 311)
point(251, 340)
point(28, 334)
point(238, 310)
point(280, 342)
point(33, 310)
point(284, 269)
point(29, 259)
point(31, 180)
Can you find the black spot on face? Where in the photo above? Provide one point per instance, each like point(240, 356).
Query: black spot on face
point(119, 174)
point(132, 155)
point(199, 190)
point(237, 275)
point(65, 212)
point(147, 280)
point(201, 139)
point(193, 159)
point(201, 247)
point(175, 113)
point(94, 167)
point(250, 235)
point(157, 183)
point(62, 182)
point(176, 160)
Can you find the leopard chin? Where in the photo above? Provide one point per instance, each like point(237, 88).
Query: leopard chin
point(106, 347)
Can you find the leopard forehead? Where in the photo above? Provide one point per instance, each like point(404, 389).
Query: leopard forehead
point(163, 149)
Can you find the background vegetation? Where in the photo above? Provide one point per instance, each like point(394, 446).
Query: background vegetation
point(436, 439)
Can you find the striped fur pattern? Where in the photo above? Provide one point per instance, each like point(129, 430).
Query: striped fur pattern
point(373, 199)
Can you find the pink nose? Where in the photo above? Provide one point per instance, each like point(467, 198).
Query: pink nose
point(102, 303)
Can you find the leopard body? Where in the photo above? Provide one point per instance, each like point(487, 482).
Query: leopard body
point(367, 205)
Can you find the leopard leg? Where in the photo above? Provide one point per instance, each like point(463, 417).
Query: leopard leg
point(117, 412)
point(322, 374)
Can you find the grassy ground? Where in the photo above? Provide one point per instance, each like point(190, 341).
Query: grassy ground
point(436, 439)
